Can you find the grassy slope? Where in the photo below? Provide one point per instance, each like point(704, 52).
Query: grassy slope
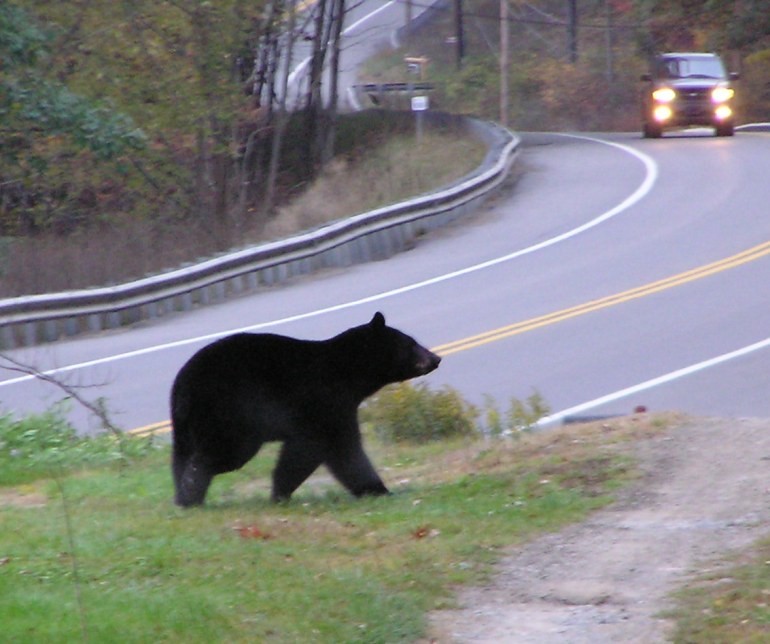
point(90, 543)
point(323, 568)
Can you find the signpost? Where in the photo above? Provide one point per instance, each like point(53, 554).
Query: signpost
point(419, 106)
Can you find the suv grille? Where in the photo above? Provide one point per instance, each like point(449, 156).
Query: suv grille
point(695, 94)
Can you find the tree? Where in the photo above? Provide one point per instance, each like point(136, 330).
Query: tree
point(43, 121)
point(282, 118)
point(320, 117)
point(202, 79)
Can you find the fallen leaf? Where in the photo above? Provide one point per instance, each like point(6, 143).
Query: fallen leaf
point(421, 532)
point(425, 531)
point(252, 532)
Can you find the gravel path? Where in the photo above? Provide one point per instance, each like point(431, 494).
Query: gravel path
point(705, 492)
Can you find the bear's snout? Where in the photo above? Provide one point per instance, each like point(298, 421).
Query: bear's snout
point(427, 362)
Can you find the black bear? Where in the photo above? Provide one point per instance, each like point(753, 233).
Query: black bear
point(246, 389)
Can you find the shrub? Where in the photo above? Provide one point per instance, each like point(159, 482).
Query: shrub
point(37, 445)
point(414, 413)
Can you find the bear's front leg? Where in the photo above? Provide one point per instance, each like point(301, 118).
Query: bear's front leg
point(296, 462)
point(351, 466)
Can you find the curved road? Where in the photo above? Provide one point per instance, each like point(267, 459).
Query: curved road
point(616, 272)
point(370, 26)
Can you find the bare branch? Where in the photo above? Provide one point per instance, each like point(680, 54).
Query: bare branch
point(96, 408)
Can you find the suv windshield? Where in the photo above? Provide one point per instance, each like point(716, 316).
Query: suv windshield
point(701, 67)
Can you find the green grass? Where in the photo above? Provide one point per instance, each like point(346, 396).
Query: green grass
point(323, 568)
point(729, 605)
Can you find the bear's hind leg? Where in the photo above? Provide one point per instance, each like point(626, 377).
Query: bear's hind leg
point(178, 463)
point(193, 481)
point(296, 462)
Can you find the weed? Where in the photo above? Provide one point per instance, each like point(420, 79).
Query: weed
point(34, 446)
point(523, 415)
point(493, 418)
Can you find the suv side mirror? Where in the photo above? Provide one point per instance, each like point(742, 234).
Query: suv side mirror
point(734, 76)
point(646, 77)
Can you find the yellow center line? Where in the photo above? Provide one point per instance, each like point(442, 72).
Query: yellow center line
point(611, 300)
point(156, 428)
point(501, 333)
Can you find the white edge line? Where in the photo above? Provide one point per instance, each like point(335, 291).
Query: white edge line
point(651, 173)
point(654, 382)
point(361, 21)
point(305, 62)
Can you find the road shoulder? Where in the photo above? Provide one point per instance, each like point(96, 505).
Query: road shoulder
point(704, 492)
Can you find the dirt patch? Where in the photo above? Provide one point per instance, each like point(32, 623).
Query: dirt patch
point(18, 498)
point(705, 491)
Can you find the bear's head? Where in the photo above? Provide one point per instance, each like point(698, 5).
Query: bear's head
point(373, 355)
point(399, 356)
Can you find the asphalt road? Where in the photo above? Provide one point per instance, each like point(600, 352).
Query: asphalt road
point(370, 27)
point(612, 273)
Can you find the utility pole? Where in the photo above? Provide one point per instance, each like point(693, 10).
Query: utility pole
point(572, 45)
point(459, 33)
point(504, 63)
point(608, 42)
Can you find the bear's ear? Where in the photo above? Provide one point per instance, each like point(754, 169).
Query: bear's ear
point(378, 321)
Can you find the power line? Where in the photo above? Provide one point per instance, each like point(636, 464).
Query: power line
point(553, 22)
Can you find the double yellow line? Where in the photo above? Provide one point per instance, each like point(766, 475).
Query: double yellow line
point(162, 427)
point(501, 333)
point(642, 291)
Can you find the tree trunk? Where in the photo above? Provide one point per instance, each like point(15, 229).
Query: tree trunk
point(282, 117)
point(314, 112)
point(328, 133)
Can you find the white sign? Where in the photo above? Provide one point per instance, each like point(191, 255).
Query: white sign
point(419, 103)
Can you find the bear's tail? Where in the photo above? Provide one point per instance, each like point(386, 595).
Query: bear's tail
point(182, 447)
point(181, 451)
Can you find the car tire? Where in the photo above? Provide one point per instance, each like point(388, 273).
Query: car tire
point(725, 130)
point(652, 131)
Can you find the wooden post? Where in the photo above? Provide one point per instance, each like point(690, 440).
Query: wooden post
point(459, 33)
point(572, 45)
point(504, 63)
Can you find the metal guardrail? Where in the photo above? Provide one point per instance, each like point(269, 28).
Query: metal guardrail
point(377, 234)
point(378, 88)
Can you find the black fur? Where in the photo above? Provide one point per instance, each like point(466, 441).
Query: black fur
point(247, 389)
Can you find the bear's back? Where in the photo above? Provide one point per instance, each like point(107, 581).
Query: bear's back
point(254, 357)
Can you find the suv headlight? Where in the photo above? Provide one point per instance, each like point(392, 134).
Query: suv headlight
point(722, 94)
point(664, 95)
